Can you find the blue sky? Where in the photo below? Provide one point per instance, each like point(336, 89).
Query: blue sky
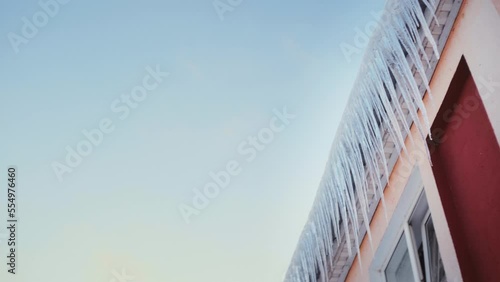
point(119, 207)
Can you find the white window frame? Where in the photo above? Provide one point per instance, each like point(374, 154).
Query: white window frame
point(399, 226)
point(425, 242)
point(413, 253)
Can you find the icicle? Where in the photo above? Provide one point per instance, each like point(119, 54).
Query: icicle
point(357, 163)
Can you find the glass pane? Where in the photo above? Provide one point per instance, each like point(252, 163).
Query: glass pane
point(399, 267)
point(435, 264)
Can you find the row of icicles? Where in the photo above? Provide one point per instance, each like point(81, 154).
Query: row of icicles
point(357, 156)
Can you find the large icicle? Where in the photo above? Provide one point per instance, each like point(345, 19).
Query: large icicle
point(357, 159)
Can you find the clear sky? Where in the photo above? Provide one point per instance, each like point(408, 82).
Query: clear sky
point(118, 209)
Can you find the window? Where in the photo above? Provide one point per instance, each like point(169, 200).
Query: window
point(416, 256)
point(399, 268)
point(433, 262)
point(409, 249)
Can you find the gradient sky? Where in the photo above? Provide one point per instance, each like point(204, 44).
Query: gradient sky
point(119, 207)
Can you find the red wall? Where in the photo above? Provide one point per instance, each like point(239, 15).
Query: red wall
point(466, 164)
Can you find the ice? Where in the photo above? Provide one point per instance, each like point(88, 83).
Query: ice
point(357, 160)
